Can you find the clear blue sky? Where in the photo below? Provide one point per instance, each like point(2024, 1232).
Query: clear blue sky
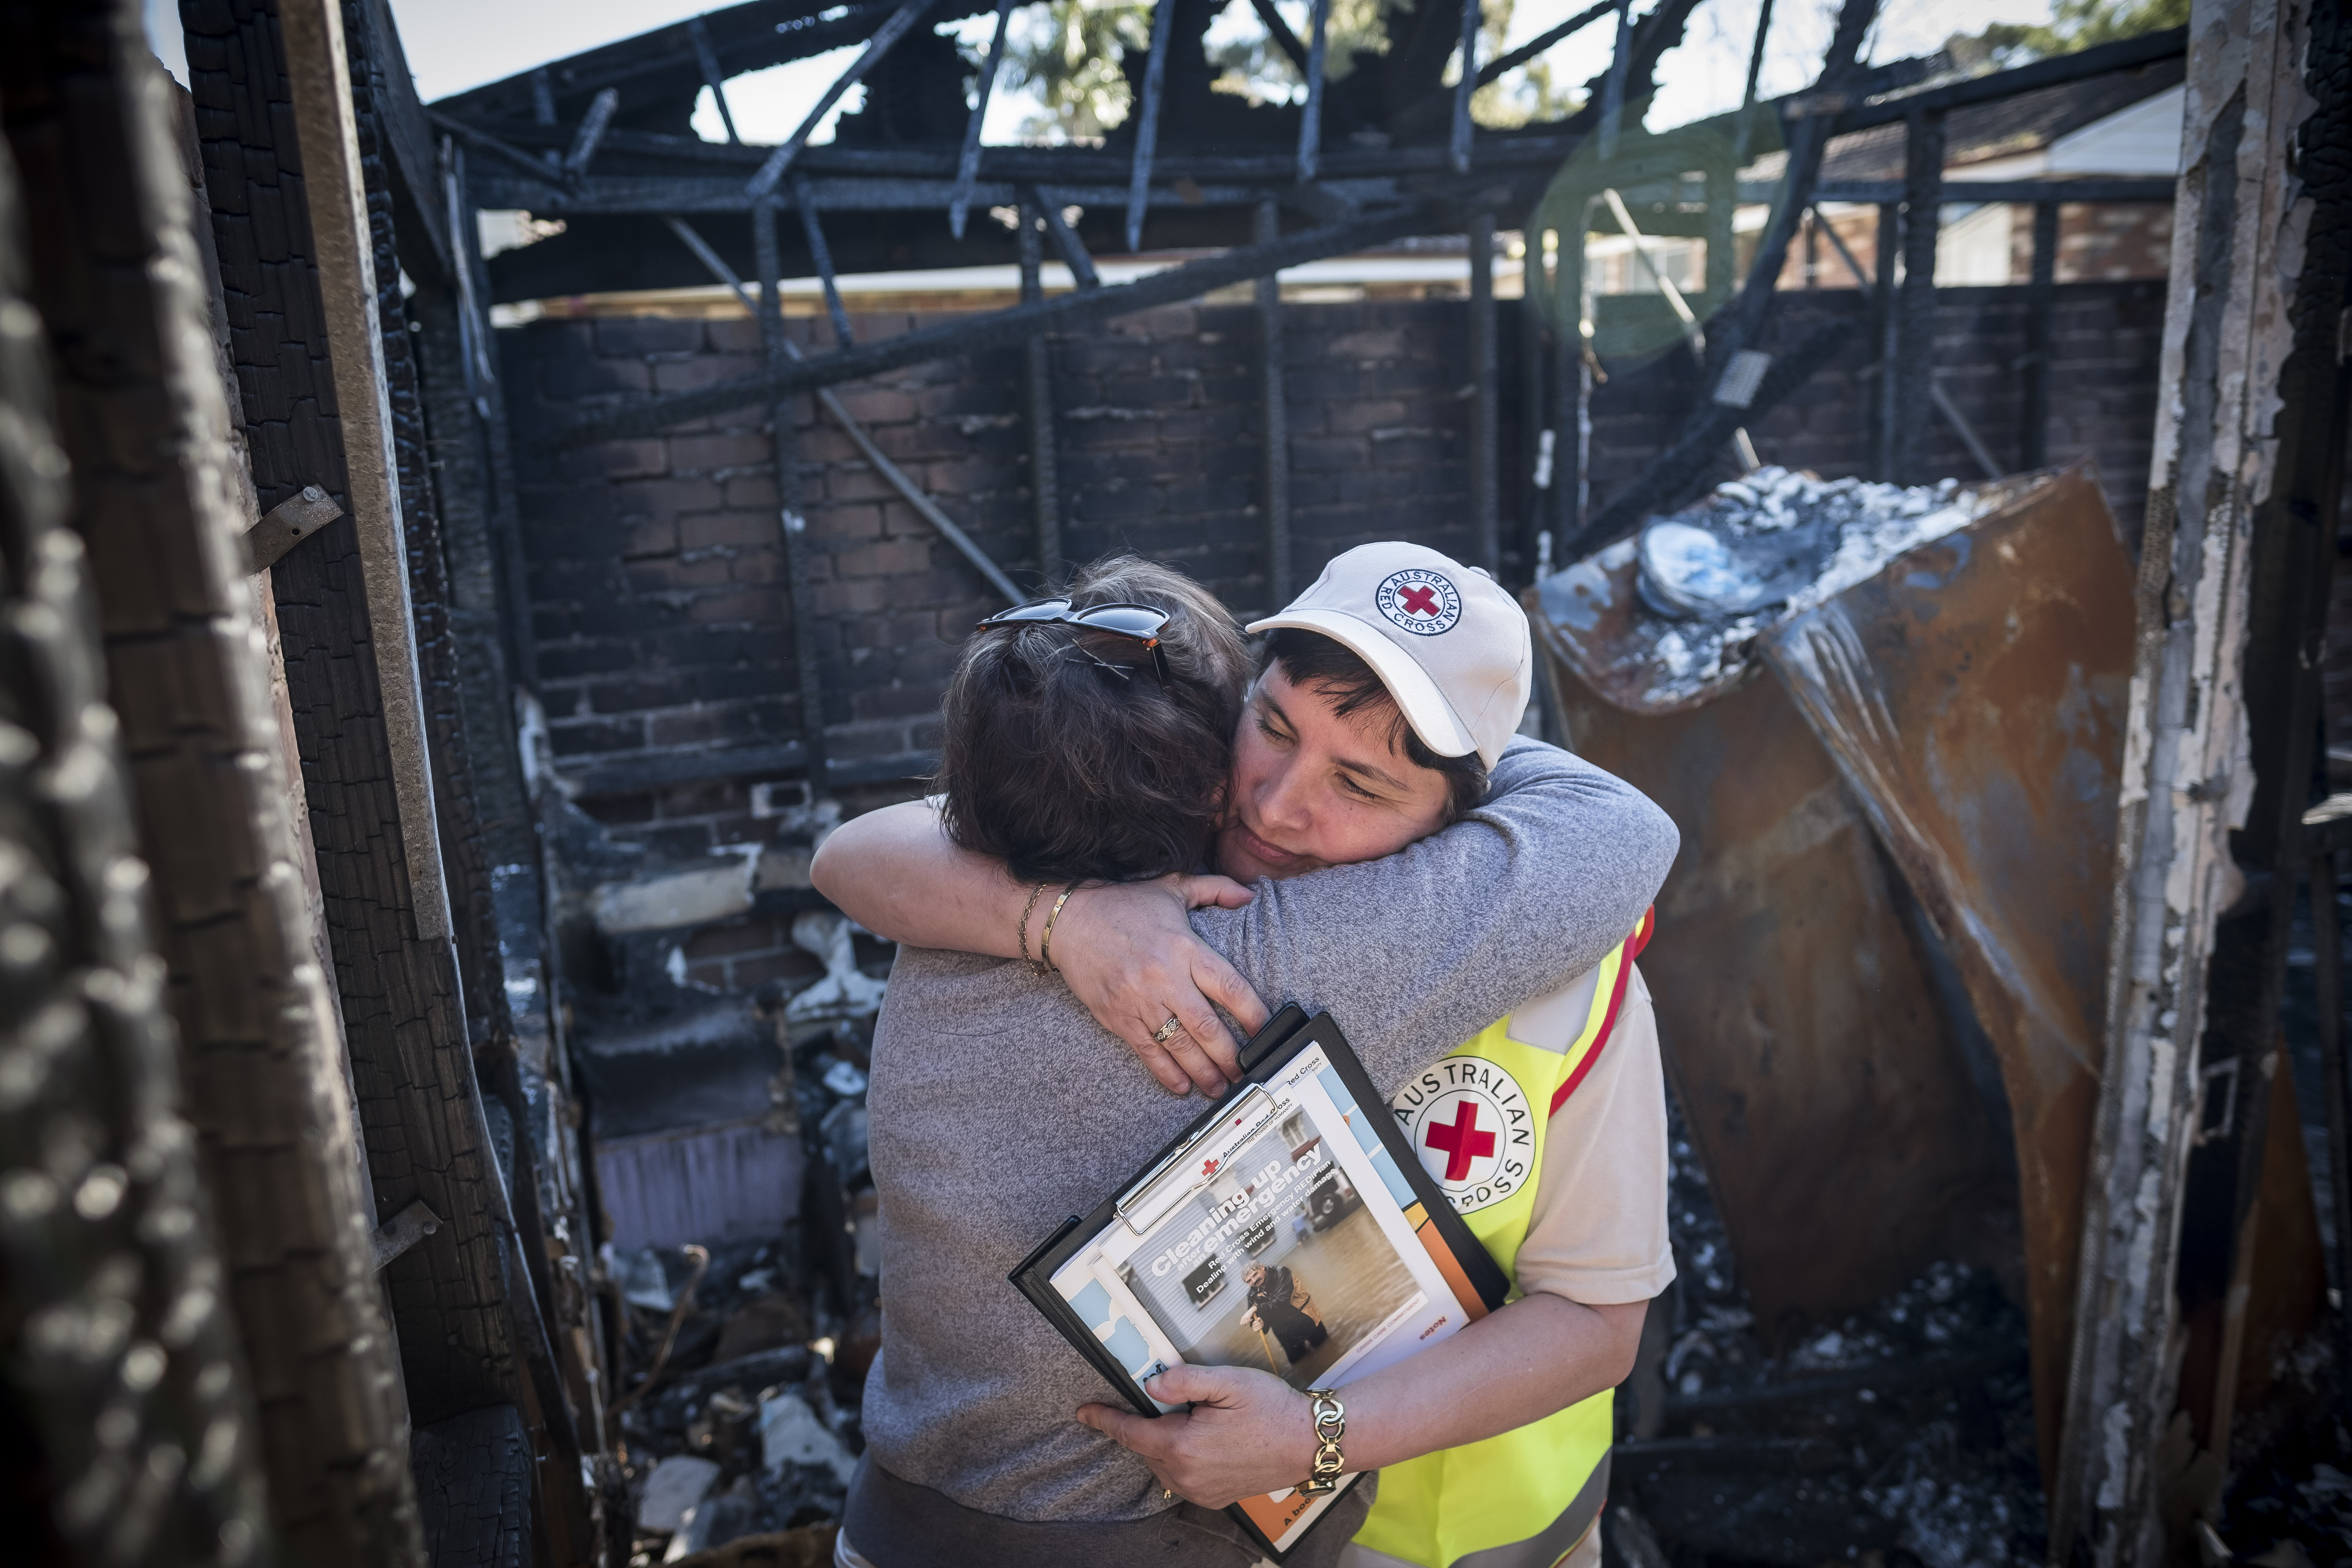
point(453, 45)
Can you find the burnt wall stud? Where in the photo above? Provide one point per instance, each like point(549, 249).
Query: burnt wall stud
point(1912, 371)
point(2033, 402)
point(1884, 322)
point(1485, 500)
point(1037, 351)
point(791, 521)
point(1274, 414)
point(1464, 86)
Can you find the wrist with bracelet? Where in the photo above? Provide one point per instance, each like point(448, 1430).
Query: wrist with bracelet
point(1329, 1419)
point(1027, 910)
point(1045, 940)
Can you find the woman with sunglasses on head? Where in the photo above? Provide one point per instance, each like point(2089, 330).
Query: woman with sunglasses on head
point(1088, 770)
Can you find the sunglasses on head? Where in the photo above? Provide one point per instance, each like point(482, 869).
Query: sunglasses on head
point(1135, 623)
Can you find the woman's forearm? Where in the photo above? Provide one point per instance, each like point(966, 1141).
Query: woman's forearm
point(1540, 1354)
point(896, 872)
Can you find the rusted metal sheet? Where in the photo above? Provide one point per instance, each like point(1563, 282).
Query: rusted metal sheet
point(1972, 695)
point(1957, 718)
point(1819, 1079)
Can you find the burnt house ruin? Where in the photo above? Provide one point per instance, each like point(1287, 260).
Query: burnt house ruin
point(432, 1119)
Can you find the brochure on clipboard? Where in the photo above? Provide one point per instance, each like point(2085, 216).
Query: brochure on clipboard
point(1290, 1229)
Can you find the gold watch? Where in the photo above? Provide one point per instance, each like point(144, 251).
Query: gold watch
point(1331, 1424)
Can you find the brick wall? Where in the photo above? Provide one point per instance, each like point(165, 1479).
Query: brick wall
point(655, 571)
point(2104, 342)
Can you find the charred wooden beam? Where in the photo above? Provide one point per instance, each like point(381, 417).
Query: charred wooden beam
point(1066, 244)
point(1513, 61)
point(1885, 324)
point(1310, 118)
point(2062, 189)
point(883, 39)
point(968, 163)
point(1147, 121)
point(697, 32)
point(1612, 94)
point(665, 64)
point(593, 126)
point(410, 160)
point(1283, 38)
point(1913, 366)
point(1469, 84)
point(2033, 400)
point(2082, 65)
point(1747, 99)
point(813, 231)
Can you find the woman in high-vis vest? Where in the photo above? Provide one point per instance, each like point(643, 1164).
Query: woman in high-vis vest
point(1568, 1197)
point(1385, 692)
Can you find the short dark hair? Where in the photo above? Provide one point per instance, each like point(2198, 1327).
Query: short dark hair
point(1065, 756)
point(1330, 669)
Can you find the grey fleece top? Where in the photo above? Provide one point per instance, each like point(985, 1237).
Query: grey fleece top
point(998, 1106)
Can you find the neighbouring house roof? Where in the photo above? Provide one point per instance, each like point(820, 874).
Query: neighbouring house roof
point(2009, 128)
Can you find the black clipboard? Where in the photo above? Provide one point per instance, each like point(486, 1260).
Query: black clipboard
point(1478, 1282)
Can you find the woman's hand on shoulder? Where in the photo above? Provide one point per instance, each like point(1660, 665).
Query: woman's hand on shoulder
point(1128, 953)
point(1248, 1433)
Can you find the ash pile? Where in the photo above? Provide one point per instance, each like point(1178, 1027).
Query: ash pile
point(742, 1356)
point(1901, 1435)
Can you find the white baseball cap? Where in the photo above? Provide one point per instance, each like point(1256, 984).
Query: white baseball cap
point(1450, 644)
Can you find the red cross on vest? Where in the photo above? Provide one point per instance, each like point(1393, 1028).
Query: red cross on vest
point(1462, 1142)
point(1419, 601)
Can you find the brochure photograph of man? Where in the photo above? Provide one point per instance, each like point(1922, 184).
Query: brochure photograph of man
point(1232, 1284)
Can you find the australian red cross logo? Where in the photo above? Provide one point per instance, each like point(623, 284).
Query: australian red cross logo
point(1422, 603)
point(1471, 1128)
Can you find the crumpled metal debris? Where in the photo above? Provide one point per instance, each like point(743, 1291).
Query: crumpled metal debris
point(1880, 961)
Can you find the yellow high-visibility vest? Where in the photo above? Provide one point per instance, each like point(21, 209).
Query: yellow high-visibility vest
point(1478, 1116)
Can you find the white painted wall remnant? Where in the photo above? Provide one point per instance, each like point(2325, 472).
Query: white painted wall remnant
point(2237, 255)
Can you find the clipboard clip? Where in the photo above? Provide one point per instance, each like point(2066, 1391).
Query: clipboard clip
point(1166, 1185)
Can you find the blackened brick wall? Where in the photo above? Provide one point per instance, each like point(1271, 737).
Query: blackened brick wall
point(655, 570)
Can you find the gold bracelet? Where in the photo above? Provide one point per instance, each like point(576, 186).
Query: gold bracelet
point(1331, 1426)
point(1046, 942)
point(1034, 893)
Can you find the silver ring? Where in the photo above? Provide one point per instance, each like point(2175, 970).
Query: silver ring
point(1167, 1031)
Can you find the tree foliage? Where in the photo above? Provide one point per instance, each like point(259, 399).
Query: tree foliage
point(1069, 52)
point(2081, 24)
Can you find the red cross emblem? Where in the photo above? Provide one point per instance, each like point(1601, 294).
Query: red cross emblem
point(1419, 601)
point(1209, 1167)
point(1461, 1143)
